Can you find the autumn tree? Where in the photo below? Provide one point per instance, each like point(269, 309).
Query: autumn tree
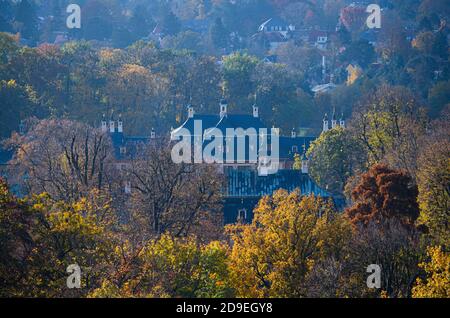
point(439, 98)
point(436, 283)
point(187, 40)
point(170, 267)
point(384, 193)
point(389, 123)
point(433, 179)
point(178, 198)
point(429, 43)
point(139, 94)
point(395, 43)
point(302, 58)
point(41, 237)
point(66, 159)
point(396, 249)
point(383, 215)
point(8, 50)
point(80, 83)
point(284, 104)
point(272, 256)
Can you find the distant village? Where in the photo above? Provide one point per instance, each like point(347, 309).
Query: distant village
point(270, 40)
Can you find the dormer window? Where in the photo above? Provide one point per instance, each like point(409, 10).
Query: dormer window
point(127, 188)
point(123, 150)
point(242, 215)
point(294, 149)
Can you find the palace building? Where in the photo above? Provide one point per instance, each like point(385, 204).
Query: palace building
point(246, 181)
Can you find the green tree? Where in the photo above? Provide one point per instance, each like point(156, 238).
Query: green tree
point(439, 98)
point(334, 157)
point(361, 52)
point(184, 41)
point(238, 69)
point(17, 103)
point(169, 22)
point(218, 34)
point(26, 20)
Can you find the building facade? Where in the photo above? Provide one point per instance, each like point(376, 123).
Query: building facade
point(246, 181)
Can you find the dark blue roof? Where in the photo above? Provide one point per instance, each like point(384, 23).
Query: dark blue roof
point(208, 121)
point(287, 144)
point(273, 22)
point(228, 121)
point(239, 121)
point(130, 143)
point(5, 156)
point(246, 183)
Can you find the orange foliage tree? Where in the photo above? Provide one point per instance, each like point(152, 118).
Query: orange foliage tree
point(384, 193)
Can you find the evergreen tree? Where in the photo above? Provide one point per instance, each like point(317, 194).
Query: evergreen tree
point(27, 18)
point(218, 34)
point(169, 22)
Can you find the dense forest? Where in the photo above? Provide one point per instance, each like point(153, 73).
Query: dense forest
point(61, 198)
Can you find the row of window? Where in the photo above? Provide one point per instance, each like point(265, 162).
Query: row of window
point(277, 28)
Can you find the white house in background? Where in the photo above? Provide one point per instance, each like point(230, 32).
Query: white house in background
point(277, 25)
point(318, 38)
point(323, 88)
point(273, 32)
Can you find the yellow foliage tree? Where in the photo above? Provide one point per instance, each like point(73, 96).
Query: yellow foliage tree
point(41, 237)
point(433, 178)
point(289, 233)
point(170, 267)
point(437, 282)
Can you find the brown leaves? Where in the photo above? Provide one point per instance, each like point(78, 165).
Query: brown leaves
point(384, 193)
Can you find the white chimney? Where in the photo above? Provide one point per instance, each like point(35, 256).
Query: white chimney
point(104, 125)
point(120, 125)
point(333, 120)
point(223, 107)
point(304, 165)
point(127, 187)
point(191, 111)
point(342, 121)
point(255, 111)
point(325, 123)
